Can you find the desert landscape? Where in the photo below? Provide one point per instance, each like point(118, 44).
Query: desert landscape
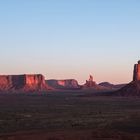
point(32, 108)
point(69, 70)
point(69, 115)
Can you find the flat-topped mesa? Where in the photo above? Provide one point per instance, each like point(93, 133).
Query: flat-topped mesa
point(136, 73)
point(32, 82)
point(63, 84)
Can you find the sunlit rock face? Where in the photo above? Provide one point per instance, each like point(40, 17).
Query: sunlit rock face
point(63, 84)
point(136, 74)
point(35, 82)
point(5, 82)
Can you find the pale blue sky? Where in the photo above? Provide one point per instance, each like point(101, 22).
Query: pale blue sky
point(70, 38)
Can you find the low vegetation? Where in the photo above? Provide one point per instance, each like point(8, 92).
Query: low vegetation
point(103, 116)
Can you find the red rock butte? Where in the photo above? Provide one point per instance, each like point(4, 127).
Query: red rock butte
point(32, 82)
point(136, 75)
point(132, 88)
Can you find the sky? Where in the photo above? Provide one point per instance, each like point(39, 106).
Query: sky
point(66, 39)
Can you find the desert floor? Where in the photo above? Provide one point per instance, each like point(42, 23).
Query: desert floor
point(69, 115)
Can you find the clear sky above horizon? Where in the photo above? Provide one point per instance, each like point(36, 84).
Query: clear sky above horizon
point(70, 38)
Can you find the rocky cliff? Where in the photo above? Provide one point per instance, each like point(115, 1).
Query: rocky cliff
point(133, 88)
point(35, 82)
point(63, 84)
point(136, 73)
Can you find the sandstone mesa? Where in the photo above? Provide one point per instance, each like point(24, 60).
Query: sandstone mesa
point(25, 83)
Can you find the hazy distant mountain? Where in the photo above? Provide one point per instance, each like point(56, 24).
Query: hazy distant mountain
point(111, 86)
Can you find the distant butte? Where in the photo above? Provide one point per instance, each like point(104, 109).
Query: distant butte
point(133, 88)
point(66, 84)
point(90, 83)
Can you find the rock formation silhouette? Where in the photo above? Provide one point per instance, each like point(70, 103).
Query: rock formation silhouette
point(90, 83)
point(133, 88)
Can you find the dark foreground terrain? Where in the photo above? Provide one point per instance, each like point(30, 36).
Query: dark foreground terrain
point(69, 116)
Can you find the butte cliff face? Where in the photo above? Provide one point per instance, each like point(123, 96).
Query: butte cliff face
point(133, 88)
point(63, 84)
point(136, 73)
point(25, 83)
